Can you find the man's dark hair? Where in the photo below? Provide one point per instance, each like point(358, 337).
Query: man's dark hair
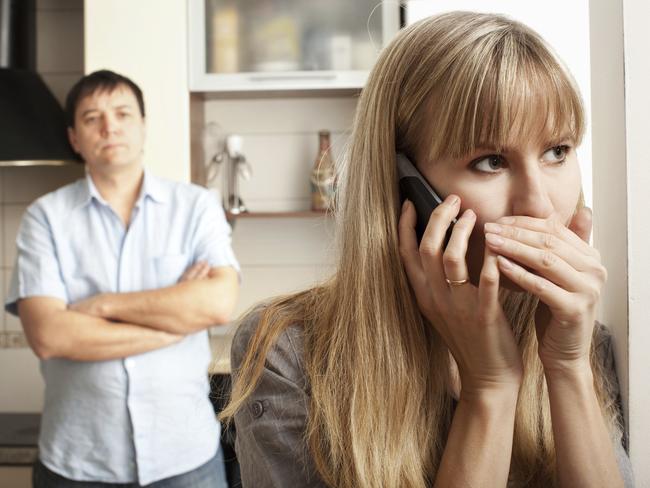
point(103, 80)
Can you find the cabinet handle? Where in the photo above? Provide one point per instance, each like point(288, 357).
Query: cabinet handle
point(292, 77)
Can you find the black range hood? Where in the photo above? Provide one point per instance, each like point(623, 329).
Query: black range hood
point(32, 122)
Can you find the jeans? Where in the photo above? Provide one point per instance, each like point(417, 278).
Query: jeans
point(210, 475)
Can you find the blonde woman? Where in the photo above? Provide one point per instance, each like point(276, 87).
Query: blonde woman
point(478, 363)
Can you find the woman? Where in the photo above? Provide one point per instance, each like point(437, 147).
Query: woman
point(471, 363)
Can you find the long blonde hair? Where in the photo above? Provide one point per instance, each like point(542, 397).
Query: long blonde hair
point(379, 374)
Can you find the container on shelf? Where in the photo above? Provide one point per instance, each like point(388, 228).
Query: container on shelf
point(279, 45)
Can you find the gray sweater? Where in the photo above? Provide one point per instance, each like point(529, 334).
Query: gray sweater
point(270, 440)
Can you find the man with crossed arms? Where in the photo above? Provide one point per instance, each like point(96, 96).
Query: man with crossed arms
point(117, 278)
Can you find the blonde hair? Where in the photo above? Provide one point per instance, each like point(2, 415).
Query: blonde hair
point(380, 407)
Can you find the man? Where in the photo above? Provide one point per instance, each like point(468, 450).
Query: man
point(118, 275)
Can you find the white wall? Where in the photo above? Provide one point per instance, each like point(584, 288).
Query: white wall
point(637, 103)
point(146, 40)
point(621, 117)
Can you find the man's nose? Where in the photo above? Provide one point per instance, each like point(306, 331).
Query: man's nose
point(109, 124)
point(531, 193)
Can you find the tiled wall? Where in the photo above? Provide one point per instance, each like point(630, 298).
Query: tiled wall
point(281, 144)
point(60, 63)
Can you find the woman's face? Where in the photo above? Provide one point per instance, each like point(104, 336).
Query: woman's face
point(527, 178)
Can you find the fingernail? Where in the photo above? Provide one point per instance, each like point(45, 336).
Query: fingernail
point(493, 239)
point(453, 200)
point(404, 205)
point(507, 220)
point(504, 262)
point(493, 228)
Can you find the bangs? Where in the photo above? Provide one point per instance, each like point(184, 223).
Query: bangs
point(509, 90)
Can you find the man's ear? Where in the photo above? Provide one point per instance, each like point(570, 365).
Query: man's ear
point(144, 130)
point(72, 137)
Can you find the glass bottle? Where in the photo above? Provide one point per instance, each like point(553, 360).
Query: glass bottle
point(323, 176)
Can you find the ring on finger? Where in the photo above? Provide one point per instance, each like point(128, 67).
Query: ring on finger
point(456, 282)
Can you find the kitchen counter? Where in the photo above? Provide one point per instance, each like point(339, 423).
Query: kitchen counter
point(220, 346)
point(19, 438)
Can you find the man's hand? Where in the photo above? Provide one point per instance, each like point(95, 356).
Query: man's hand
point(96, 305)
point(197, 271)
point(100, 305)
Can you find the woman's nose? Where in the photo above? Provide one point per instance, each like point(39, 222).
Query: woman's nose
point(531, 194)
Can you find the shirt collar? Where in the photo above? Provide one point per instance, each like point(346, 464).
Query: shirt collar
point(151, 187)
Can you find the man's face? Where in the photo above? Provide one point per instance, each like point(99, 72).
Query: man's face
point(109, 131)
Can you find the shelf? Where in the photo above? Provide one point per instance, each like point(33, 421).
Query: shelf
point(277, 215)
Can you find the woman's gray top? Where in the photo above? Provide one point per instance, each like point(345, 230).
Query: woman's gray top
point(270, 440)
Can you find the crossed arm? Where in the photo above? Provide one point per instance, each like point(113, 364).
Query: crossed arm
point(116, 325)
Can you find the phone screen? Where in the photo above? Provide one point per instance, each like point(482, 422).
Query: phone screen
point(414, 187)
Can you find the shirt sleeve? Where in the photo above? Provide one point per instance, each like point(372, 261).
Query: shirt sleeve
point(605, 351)
point(270, 426)
point(37, 271)
point(213, 234)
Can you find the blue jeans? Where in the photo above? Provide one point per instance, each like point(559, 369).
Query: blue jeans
point(210, 475)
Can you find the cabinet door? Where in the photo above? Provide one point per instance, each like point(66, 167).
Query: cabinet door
point(564, 25)
point(259, 45)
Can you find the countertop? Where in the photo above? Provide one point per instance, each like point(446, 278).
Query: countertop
point(220, 346)
point(19, 438)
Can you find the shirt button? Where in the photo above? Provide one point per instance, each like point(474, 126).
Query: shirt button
point(257, 408)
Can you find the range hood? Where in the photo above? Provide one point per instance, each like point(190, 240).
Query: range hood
point(32, 122)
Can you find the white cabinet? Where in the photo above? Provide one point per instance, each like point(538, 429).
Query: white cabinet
point(278, 45)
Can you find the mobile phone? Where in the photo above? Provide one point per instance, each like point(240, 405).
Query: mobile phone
point(414, 187)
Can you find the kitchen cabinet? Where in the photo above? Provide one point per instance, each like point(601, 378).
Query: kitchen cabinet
point(282, 45)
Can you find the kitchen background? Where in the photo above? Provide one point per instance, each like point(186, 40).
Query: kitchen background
point(282, 247)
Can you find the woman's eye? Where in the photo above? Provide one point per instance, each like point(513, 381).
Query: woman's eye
point(488, 164)
point(556, 154)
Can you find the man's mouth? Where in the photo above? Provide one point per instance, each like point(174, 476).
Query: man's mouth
point(112, 146)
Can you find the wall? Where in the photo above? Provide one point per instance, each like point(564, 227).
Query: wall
point(281, 143)
point(60, 63)
point(637, 103)
point(147, 41)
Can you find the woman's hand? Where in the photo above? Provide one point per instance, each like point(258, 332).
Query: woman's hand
point(469, 318)
point(558, 265)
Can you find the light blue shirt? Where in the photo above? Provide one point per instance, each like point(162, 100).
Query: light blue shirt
point(146, 417)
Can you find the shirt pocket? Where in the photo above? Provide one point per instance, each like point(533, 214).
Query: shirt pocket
point(170, 267)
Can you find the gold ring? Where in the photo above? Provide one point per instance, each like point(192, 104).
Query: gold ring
point(456, 282)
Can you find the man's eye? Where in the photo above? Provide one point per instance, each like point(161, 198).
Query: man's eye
point(90, 120)
point(488, 164)
point(123, 115)
point(556, 155)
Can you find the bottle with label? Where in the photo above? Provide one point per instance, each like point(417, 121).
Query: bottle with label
point(323, 176)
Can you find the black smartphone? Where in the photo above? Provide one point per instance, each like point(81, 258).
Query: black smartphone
point(414, 187)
